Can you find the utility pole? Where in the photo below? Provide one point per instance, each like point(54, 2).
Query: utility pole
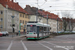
point(37, 16)
point(1, 20)
point(47, 23)
point(37, 12)
point(70, 25)
point(1, 24)
point(47, 18)
point(57, 25)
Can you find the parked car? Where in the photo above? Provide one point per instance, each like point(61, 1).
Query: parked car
point(60, 31)
point(5, 33)
point(67, 32)
point(1, 34)
point(73, 31)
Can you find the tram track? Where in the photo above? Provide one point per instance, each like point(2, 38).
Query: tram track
point(16, 41)
point(45, 44)
point(55, 45)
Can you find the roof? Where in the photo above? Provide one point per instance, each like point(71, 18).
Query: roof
point(43, 13)
point(12, 5)
point(39, 24)
point(50, 15)
point(30, 10)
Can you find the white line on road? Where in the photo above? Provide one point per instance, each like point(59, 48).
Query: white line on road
point(45, 46)
point(56, 45)
point(10, 45)
point(25, 48)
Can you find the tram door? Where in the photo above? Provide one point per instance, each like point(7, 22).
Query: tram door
point(41, 31)
point(37, 31)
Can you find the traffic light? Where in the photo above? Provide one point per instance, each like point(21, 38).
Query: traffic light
point(13, 30)
point(13, 25)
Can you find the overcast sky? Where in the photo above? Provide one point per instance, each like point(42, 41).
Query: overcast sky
point(48, 5)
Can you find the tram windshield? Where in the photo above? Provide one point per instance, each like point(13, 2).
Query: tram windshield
point(31, 28)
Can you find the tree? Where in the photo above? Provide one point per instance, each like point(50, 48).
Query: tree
point(64, 24)
point(67, 21)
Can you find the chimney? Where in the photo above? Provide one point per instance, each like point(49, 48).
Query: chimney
point(27, 6)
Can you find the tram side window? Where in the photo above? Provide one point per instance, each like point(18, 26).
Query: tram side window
point(41, 29)
point(44, 28)
point(48, 29)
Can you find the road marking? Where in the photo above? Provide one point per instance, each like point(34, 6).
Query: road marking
point(56, 45)
point(10, 45)
point(63, 39)
point(25, 48)
point(45, 46)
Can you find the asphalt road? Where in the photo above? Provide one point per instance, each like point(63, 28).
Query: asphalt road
point(62, 42)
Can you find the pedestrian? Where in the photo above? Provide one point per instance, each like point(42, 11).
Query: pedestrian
point(24, 31)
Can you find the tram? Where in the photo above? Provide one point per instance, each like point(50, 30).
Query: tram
point(37, 30)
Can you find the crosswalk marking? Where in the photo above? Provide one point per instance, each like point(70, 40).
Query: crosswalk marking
point(25, 48)
point(10, 45)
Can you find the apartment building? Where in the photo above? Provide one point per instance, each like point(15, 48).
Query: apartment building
point(23, 19)
point(8, 8)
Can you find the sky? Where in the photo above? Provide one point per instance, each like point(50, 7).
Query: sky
point(53, 6)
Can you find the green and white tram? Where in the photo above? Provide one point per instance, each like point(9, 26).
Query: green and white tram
point(37, 30)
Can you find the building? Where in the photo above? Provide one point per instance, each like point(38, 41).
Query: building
point(56, 25)
point(23, 19)
point(53, 20)
point(8, 8)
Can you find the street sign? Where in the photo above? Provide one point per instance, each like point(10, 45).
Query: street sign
point(12, 16)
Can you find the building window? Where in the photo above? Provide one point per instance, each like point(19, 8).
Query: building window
point(23, 21)
point(28, 17)
point(23, 15)
point(20, 21)
point(1, 26)
point(1, 12)
point(1, 19)
point(20, 15)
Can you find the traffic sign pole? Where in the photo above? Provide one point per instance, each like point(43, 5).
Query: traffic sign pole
point(19, 28)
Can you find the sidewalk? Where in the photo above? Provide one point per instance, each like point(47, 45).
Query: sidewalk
point(14, 35)
point(20, 36)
